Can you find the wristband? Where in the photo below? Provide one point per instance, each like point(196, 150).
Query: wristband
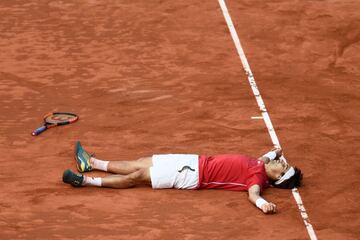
point(260, 202)
point(271, 155)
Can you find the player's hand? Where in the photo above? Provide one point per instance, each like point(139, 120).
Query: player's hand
point(269, 208)
point(278, 151)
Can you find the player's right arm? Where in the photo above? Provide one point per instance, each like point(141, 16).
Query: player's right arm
point(261, 203)
point(277, 154)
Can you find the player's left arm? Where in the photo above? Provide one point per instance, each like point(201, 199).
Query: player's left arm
point(261, 203)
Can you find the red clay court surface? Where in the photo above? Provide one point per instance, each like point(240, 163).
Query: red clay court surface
point(164, 77)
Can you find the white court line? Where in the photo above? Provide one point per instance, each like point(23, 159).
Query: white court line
point(257, 117)
point(263, 110)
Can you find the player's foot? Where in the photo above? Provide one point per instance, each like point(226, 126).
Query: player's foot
point(82, 158)
point(72, 178)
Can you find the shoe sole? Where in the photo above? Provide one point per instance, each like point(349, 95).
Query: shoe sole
point(80, 165)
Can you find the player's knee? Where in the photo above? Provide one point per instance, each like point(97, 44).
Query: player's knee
point(140, 176)
point(144, 162)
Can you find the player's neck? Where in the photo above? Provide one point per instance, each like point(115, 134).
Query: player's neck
point(267, 169)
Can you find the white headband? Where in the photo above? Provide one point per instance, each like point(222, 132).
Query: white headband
point(289, 173)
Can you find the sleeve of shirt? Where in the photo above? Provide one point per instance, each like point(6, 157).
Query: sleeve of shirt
point(255, 179)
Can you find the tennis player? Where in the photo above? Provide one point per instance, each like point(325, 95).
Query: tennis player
point(191, 171)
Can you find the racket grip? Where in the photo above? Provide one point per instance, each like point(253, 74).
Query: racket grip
point(39, 130)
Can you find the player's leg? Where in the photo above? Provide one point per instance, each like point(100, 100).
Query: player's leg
point(120, 167)
point(87, 162)
point(141, 176)
point(127, 167)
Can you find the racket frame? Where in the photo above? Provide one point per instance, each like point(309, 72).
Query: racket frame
point(48, 125)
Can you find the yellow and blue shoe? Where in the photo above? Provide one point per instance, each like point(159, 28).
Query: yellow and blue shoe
point(72, 178)
point(82, 158)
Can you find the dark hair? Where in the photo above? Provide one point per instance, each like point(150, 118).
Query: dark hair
point(294, 181)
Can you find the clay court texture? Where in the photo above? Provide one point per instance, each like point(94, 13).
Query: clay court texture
point(165, 77)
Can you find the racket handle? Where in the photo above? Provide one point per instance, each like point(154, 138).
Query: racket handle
point(39, 130)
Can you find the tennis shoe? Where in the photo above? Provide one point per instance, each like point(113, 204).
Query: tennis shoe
point(82, 158)
point(72, 178)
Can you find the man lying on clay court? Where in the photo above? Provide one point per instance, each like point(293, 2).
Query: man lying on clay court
point(190, 171)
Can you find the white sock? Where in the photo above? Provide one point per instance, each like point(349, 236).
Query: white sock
point(92, 181)
point(99, 164)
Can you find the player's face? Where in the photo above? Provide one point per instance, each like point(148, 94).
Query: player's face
point(278, 169)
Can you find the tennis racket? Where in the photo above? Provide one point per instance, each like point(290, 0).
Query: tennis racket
point(56, 119)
